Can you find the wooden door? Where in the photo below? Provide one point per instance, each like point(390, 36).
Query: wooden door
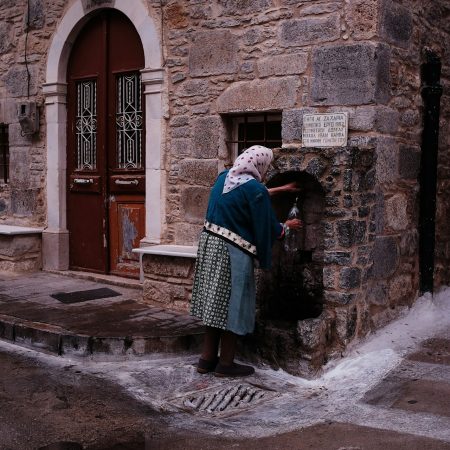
point(106, 155)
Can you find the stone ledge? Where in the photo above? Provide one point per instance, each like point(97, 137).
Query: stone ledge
point(184, 251)
point(14, 230)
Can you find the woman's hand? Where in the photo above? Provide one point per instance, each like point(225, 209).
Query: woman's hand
point(294, 224)
point(286, 188)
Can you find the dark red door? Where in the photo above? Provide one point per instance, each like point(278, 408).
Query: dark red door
point(105, 159)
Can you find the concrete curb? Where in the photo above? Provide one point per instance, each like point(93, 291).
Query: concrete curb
point(56, 340)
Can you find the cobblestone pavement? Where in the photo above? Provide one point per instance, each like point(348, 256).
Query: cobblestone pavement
point(119, 324)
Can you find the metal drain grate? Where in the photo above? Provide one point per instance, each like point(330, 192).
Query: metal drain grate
point(229, 398)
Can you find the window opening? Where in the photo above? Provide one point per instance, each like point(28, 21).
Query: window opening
point(86, 125)
point(254, 129)
point(4, 153)
point(129, 121)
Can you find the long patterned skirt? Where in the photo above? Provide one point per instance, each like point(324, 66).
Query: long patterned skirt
point(223, 295)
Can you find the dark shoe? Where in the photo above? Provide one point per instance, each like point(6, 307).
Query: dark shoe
point(235, 370)
point(205, 366)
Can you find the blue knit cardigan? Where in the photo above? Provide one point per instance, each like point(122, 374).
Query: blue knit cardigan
point(246, 211)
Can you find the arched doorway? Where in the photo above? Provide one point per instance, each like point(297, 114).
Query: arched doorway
point(105, 146)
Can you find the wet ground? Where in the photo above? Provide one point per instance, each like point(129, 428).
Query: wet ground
point(50, 403)
point(390, 392)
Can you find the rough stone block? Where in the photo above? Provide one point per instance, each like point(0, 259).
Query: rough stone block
point(396, 23)
point(339, 258)
point(181, 132)
point(385, 256)
point(378, 294)
point(192, 88)
point(187, 234)
point(19, 166)
point(300, 32)
point(16, 81)
point(194, 202)
point(283, 65)
point(350, 278)
point(350, 74)
point(351, 232)
point(409, 243)
point(252, 36)
point(179, 121)
point(176, 15)
point(29, 264)
point(259, 95)
point(181, 147)
point(323, 8)
point(339, 298)
point(200, 172)
point(16, 139)
point(292, 123)
point(239, 7)
point(162, 292)
point(6, 37)
point(362, 118)
point(168, 266)
point(23, 201)
point(214, 52)
point(3, 206)
point(329, 276)
point(36, 18)
point(311, 332)
point(19, 246)
point(178, 77)
point(207, 137)
point(401, 289)
point(346, 321)
point(397, 212)
point(386, 120)
point(362, 17)
point(315, 167)
point(409, 162)
point(387, 160)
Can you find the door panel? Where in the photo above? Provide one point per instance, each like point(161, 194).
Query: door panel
point(105, 145)
point(127, 219)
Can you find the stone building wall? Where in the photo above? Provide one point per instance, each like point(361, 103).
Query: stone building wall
point(300, 57)
point(22, 201)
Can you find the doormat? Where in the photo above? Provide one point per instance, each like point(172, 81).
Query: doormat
point(84, 296)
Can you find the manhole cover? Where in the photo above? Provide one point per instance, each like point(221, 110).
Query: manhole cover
point(228, 399)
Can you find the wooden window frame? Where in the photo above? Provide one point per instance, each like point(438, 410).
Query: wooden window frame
point(236, 145)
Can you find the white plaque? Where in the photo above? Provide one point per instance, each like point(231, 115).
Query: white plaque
point(325, 130)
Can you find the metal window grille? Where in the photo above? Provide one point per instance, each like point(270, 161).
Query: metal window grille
point(254, 129)
point(4, 153)
point(86, 125)
point(129, 121)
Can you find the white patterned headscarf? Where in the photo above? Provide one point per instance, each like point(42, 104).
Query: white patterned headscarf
point(252, 164)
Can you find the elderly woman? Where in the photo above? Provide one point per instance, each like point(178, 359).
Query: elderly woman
point(240, 227)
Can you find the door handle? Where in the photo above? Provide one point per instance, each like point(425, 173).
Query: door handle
point(135, 182)
point(83, 181)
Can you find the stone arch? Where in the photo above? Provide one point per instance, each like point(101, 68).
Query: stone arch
point(55, 236)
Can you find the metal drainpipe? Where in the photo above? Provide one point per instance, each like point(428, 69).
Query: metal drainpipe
point(431, 94)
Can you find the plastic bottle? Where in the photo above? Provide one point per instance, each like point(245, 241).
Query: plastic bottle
point(292, 239)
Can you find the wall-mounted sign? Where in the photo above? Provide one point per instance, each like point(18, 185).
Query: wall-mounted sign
point(325, 130)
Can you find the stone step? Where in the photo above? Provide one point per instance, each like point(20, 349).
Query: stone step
point(54, 339)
